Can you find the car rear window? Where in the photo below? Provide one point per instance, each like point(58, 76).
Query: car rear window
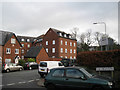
point(43, 64)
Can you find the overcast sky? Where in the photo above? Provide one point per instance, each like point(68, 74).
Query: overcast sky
point(35, 18)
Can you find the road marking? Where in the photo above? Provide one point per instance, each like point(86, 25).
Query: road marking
point(21, 82)
point(31, 80)
point(37, 79)
point(10, 84)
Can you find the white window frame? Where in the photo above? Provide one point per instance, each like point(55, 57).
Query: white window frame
point(53, 56)
point(74, 44)
point(22, 57)
point(65, 35)
point(13, 40)
point(60, 34)
point(66, 43)
point(22, 39)
point(74, 51)
point(22, 51)
point(70, 50)
point(53, 50)
point(71, 57)
point(65, 56)
point(61, 42)
point(8, 50)
point(74, 57)
point(16, 51)
point(47, 50)
point(28, 40)
point(46, 42)
point(28, 45)
point(70, 43)
point(53, 42)
point(61, 50)
point(65, 50)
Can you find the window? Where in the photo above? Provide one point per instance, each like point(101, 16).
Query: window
point(53, 50)
point(28, 40)
point(73, 73)
point(74, 51)
point(61, 42)
point(13, 41)
point(60, 34)
point(65, 42)
point(22, 50)
point(46, 42)
point(70, 50)
point(74, 57)
point(64, 35)
point(28, 45)
point(22, 45)
point(74, 44)
point(47, 50)
point(53, 56)
point(70, 43)
point(65, 56)
point(16, 51)
point(65, 50)
point(22, 57)
point(70, 57)
point(22, 40)
point(53, 42)
point(8, 51)
point(61, 50)
point(70, 36)
point(58, 73)
point(7, 60)
point(61, 56)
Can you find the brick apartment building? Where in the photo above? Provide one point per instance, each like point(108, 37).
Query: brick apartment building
point(59, 44)
point(27, 43)
point(10, 47)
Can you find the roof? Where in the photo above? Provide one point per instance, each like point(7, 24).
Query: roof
point(33, 52)
point(5, 36)
point(58, 32)
point(25, 38)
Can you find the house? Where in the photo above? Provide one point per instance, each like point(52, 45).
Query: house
point(59, 44)
point(10, 47)
point(26, 43)
point(39, 54)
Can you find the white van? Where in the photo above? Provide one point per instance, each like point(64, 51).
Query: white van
point(45, 66)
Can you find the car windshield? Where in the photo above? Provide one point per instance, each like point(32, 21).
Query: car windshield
point(43, 64)
point(85, 72)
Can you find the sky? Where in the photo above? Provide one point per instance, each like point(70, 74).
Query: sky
point(35, 18)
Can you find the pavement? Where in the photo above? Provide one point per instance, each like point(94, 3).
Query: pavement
point(41, 82)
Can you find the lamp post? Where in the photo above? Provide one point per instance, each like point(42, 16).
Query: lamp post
point(105, 33)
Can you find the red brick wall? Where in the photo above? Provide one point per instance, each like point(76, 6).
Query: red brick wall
point(68, 47)
point(50, 36)
point(42, 56)
point(12, 55)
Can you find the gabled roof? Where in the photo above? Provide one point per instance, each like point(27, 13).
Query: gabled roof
point(33, 52)
point(5, 36)
point(58, 32)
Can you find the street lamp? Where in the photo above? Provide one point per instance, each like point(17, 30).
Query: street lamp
point(105, 31)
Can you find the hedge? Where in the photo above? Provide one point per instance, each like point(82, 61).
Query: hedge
point(99, 58)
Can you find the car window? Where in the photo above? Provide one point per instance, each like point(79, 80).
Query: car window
point(14, 64)
point(60, 64)
point(43, 64)
point(58, 73)
point(73, 73)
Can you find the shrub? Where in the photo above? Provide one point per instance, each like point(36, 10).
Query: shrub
point(30, 60)
point(21, 62)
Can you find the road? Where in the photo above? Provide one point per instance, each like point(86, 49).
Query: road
point(21, 79)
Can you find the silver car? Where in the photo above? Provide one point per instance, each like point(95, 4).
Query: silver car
point(11, 67)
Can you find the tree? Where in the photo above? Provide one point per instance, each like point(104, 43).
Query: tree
point(74, 32)
point(98, 36)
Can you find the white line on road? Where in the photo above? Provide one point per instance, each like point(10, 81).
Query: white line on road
point(37, 79)
point(10, 84)
point(21, 82)
point(31, 80)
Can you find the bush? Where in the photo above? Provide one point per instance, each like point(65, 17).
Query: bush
point(30, 60)
point(21, 62)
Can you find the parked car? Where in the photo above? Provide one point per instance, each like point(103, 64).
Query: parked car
point(11, 67)
point(31, 65)
point(76, 77)
point(45, 66)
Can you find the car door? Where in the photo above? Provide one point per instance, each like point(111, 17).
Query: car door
point(75, 78)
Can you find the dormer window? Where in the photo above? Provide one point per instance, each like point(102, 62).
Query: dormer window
point(70, 36)
point(12, 41)
point(64, 35)
point(28, 40)
point(22, 40)
point(60, 34)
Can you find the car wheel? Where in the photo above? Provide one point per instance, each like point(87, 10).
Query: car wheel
point(20, 69)
point(30, 68)
point(8, 70)
point(50, 87)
